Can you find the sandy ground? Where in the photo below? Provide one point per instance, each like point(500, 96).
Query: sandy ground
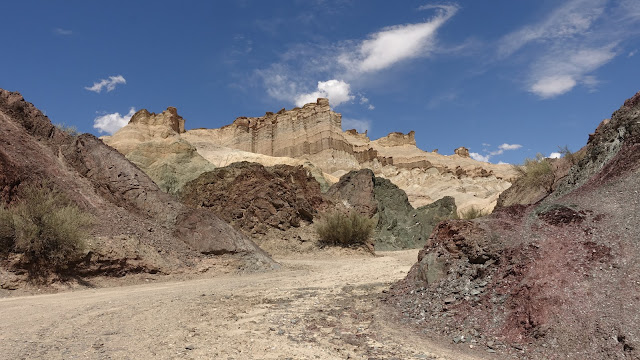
point(314, 308)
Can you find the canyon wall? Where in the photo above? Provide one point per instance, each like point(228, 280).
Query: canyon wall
point(312, 136)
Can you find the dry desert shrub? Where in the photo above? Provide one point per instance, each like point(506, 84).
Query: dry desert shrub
point(45, 227)
point(536, 173)
point(472, 213)
point(347, 230)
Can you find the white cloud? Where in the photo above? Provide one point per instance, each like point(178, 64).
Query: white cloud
point(110, 123)
point(502, 163)
point(337, 91)
point(109, 84)
point(555, 155)
point(396, 43)
point(506, 146)
point(478, 157)
point(631, 53)
point(551, 86)
point(489, 154)
point(360, 125)
point(562, 70)
point(64, 32)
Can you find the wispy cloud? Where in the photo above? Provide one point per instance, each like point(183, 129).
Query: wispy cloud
point(572, 19)
point(561, 70)
point(572, 42)
point(394, 44)
point(109, 84)
point(365, 101)
point(441, 99)
point(110, 123)
point(290, 79)
point(63, 32)
point(489, 154)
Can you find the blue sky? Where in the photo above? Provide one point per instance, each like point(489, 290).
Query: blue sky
point(505, 78)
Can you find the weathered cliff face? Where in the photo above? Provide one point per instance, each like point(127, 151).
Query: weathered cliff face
point(314, 133)
point(312, 136)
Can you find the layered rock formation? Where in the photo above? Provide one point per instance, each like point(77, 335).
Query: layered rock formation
point(553, 279)
point(312, 136)
point(126, 203)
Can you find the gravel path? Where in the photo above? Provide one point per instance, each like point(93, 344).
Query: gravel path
point(324, 308)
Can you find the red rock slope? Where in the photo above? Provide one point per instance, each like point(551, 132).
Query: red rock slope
point(556, 279)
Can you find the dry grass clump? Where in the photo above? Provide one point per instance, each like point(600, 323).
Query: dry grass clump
point(45, 227)
point(472, 213)
point(346, 230)
point(536, 173)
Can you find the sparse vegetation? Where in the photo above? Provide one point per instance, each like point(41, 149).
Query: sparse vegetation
point(536, 172)
point(69, 129)
point(7, 233)
point(572, 157)
point(45, 227)
point(347, 230)
point(472, 213)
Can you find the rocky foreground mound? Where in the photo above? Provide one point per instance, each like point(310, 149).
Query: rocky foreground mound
point(312, 136)
point(139, 228)
point(556, 279)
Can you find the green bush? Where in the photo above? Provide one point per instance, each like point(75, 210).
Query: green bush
point(536, 172)
point(45, 227)
point(339, 229)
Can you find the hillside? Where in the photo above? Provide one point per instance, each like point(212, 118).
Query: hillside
point(138, 227)
point(554, 279)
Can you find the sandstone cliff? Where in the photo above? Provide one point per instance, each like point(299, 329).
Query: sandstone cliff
point(312, 136)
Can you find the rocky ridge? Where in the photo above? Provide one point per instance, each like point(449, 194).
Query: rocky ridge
point(312, 136)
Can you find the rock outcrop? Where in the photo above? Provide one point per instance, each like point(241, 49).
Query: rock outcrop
point(398, 224)
point(255, 198)
point(312, 136)
point(152, 142)
point(171, 163)
point(462, 151)
point(124, 200)
point(546, 280)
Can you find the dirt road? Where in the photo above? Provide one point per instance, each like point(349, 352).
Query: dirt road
point(321, 308)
